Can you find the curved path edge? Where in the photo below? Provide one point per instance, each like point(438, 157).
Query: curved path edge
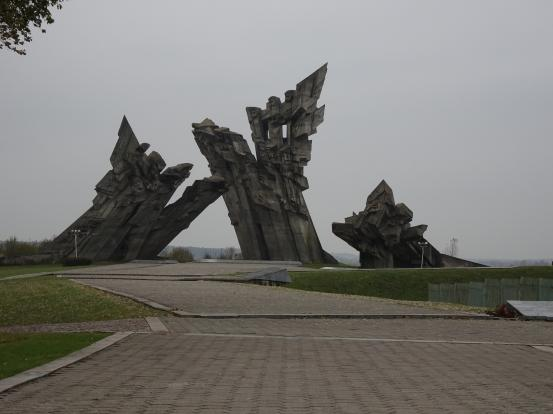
point(50, 367)
point(184, 314)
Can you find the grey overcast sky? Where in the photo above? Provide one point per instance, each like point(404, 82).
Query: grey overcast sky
point(450, 101)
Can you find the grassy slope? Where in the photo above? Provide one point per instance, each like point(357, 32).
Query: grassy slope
point(19, 352)
point(53, 300)
point(6, 271)
point(404, 284)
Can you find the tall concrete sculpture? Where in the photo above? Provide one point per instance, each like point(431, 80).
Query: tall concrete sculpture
point(129, 218)
point(265, 200)
point(383, 234)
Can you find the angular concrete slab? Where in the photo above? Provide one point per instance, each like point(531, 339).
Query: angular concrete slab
point(156, 325)
point(533, 309)
point(271, 274)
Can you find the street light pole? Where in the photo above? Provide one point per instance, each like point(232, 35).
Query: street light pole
point(422, 246)
point(75, 234)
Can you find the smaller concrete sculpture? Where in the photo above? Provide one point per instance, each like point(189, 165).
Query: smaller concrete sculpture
point(383, 234)
point(129, 218)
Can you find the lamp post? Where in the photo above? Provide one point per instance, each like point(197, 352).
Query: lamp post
point(422, 245)
point(76, 233)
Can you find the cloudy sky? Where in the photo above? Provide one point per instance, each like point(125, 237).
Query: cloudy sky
point(450, 101)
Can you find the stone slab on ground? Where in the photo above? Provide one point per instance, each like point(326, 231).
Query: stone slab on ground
point(271, 274)
point(533, 309)
point(203, 297)
point(207, 374)
point(156, 325)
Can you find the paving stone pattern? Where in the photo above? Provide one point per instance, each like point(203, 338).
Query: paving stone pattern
point(199, 374)
point(308, 366)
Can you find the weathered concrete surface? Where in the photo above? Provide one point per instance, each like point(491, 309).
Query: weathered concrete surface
point(383, 234)
point(177, 216)
point(265, 200)
point(276, 275)
point(129, 218)
point(533, 309)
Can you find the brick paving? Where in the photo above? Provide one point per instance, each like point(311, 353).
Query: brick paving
point(237, 298)
point(212, 374)
point(297, 365)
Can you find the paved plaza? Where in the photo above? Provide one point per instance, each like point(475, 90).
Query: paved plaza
point(297, 365)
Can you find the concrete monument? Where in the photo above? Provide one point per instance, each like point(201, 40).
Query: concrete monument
point(129, 218)
point(264, 197)
point(383, 234)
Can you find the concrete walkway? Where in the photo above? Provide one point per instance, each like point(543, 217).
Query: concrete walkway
point(248, 372)
point(213, 365)
point(219, 298)
point(181, 269)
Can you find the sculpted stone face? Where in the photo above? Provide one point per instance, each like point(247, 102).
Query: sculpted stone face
point(383, 234)
point(265, 200)
point(129, 218)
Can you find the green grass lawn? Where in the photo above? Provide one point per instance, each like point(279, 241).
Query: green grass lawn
point(403, 284)
point(19, 352)
point(6, 271)
point(48, 299)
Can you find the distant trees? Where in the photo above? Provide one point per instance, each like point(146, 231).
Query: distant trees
point(16, 252)
point(180, 254)
point(12, 247)
point(227, 253)
point(186, 254)
point(17, 17)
